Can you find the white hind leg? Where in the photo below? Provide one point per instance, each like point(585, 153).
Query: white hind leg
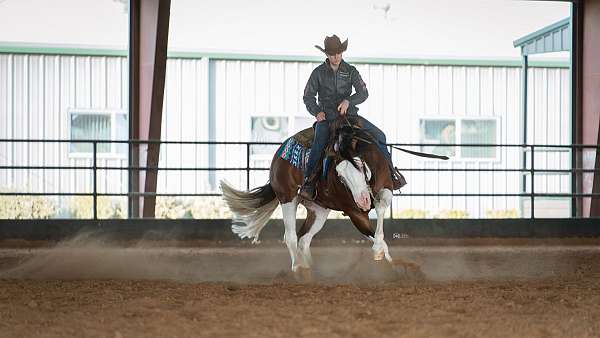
point(380, 248)
point(290, 237)
point(304, 242)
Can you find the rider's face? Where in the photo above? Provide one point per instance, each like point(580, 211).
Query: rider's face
point(335, 59)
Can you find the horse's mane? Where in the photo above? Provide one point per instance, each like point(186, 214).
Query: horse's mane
point(347, 132)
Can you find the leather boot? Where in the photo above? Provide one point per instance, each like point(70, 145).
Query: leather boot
point(398, 181)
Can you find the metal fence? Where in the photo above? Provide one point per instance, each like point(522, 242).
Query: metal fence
point(528, 170)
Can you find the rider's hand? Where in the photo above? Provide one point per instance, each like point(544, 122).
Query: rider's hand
point(321, 116)
point(343, 107)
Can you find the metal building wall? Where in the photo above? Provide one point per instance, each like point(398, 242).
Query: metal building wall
point(36, 94)
point(185, 118)
point(399, 96)
point(37, 91)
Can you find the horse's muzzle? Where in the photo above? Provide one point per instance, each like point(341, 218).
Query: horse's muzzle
point(364, 201)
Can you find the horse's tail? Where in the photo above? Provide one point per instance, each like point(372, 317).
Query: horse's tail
point(253, 208)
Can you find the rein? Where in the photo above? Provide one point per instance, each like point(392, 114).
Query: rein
point(362, 139)
point(417, 153)
point(412, 152)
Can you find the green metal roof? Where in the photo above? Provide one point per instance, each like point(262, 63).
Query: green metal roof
point(22, 48)
point(553, 38)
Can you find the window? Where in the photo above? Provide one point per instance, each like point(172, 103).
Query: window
point(440, 132)
point(98, 125)
point(267, 129)
point(478, 132)
point(460, 131)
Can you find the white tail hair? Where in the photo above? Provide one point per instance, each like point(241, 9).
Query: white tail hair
point(253, 208)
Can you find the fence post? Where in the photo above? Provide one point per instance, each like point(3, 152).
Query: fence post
point(248, 166)
point(532, 170)
point(573, 180)
point(392, 201)
point(95, 191)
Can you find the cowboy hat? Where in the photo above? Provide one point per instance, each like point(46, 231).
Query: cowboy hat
point(333, 45)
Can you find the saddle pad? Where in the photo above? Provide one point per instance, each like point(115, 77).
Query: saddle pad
point(294, 152)
point(297, 154)
point(305, 137)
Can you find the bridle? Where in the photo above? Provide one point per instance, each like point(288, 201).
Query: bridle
point(366, 178)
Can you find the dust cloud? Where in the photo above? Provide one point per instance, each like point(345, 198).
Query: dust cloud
point(93, 255)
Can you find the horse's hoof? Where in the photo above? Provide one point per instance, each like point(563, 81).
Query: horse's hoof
point(378, 256)
point(307, 259)
point(303, 275)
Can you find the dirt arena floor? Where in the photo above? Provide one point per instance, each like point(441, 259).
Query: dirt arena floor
point(90, 287)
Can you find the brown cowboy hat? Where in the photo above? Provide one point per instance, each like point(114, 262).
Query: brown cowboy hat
point(333, 45)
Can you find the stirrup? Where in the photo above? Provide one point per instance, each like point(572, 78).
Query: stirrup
point(398, 180)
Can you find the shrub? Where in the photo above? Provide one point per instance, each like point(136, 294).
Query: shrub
point(452, 213)
point(26, 207)
point(411, 213)
point(503, 213)
point(209, 207)
point(83, 207)
point(170, 207)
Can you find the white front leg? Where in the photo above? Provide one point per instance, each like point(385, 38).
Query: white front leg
point(304, 242)
point(290, 237)
point(382, 203)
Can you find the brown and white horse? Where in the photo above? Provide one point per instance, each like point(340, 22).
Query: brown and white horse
point(359, 180)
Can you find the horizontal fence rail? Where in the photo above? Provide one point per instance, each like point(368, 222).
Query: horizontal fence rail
point(529, 168)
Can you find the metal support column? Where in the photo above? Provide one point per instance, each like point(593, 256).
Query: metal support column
point(149, 30)
point(576, 131)
point(524, 84)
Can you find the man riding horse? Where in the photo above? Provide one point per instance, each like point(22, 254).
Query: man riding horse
point(356, 179)
point(332, 81)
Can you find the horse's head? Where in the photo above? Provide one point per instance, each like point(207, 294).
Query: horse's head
point(355, 176)
point(351, 169)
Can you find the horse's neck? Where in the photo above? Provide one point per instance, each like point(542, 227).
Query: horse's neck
point(371, 154)
point(346, 121)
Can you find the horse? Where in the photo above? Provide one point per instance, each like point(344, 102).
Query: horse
point(357, 180)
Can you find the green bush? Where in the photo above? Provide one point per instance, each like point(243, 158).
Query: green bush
point(411, 213)
point(502, 213)
point(209, 207)
point(26, 207)
point(82, 207)
point(170, 207)
point(452, 213)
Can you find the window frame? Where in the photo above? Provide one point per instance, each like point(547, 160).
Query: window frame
point(113, 153)
point(458, 122)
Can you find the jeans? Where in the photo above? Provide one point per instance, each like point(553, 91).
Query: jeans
point(322, 137)
point(378, 135)
point(318, 146)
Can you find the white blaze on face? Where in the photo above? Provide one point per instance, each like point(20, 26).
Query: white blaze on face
point(354, 179)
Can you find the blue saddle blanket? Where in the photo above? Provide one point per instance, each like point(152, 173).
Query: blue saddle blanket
point(297, 154)
point(294, 152)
